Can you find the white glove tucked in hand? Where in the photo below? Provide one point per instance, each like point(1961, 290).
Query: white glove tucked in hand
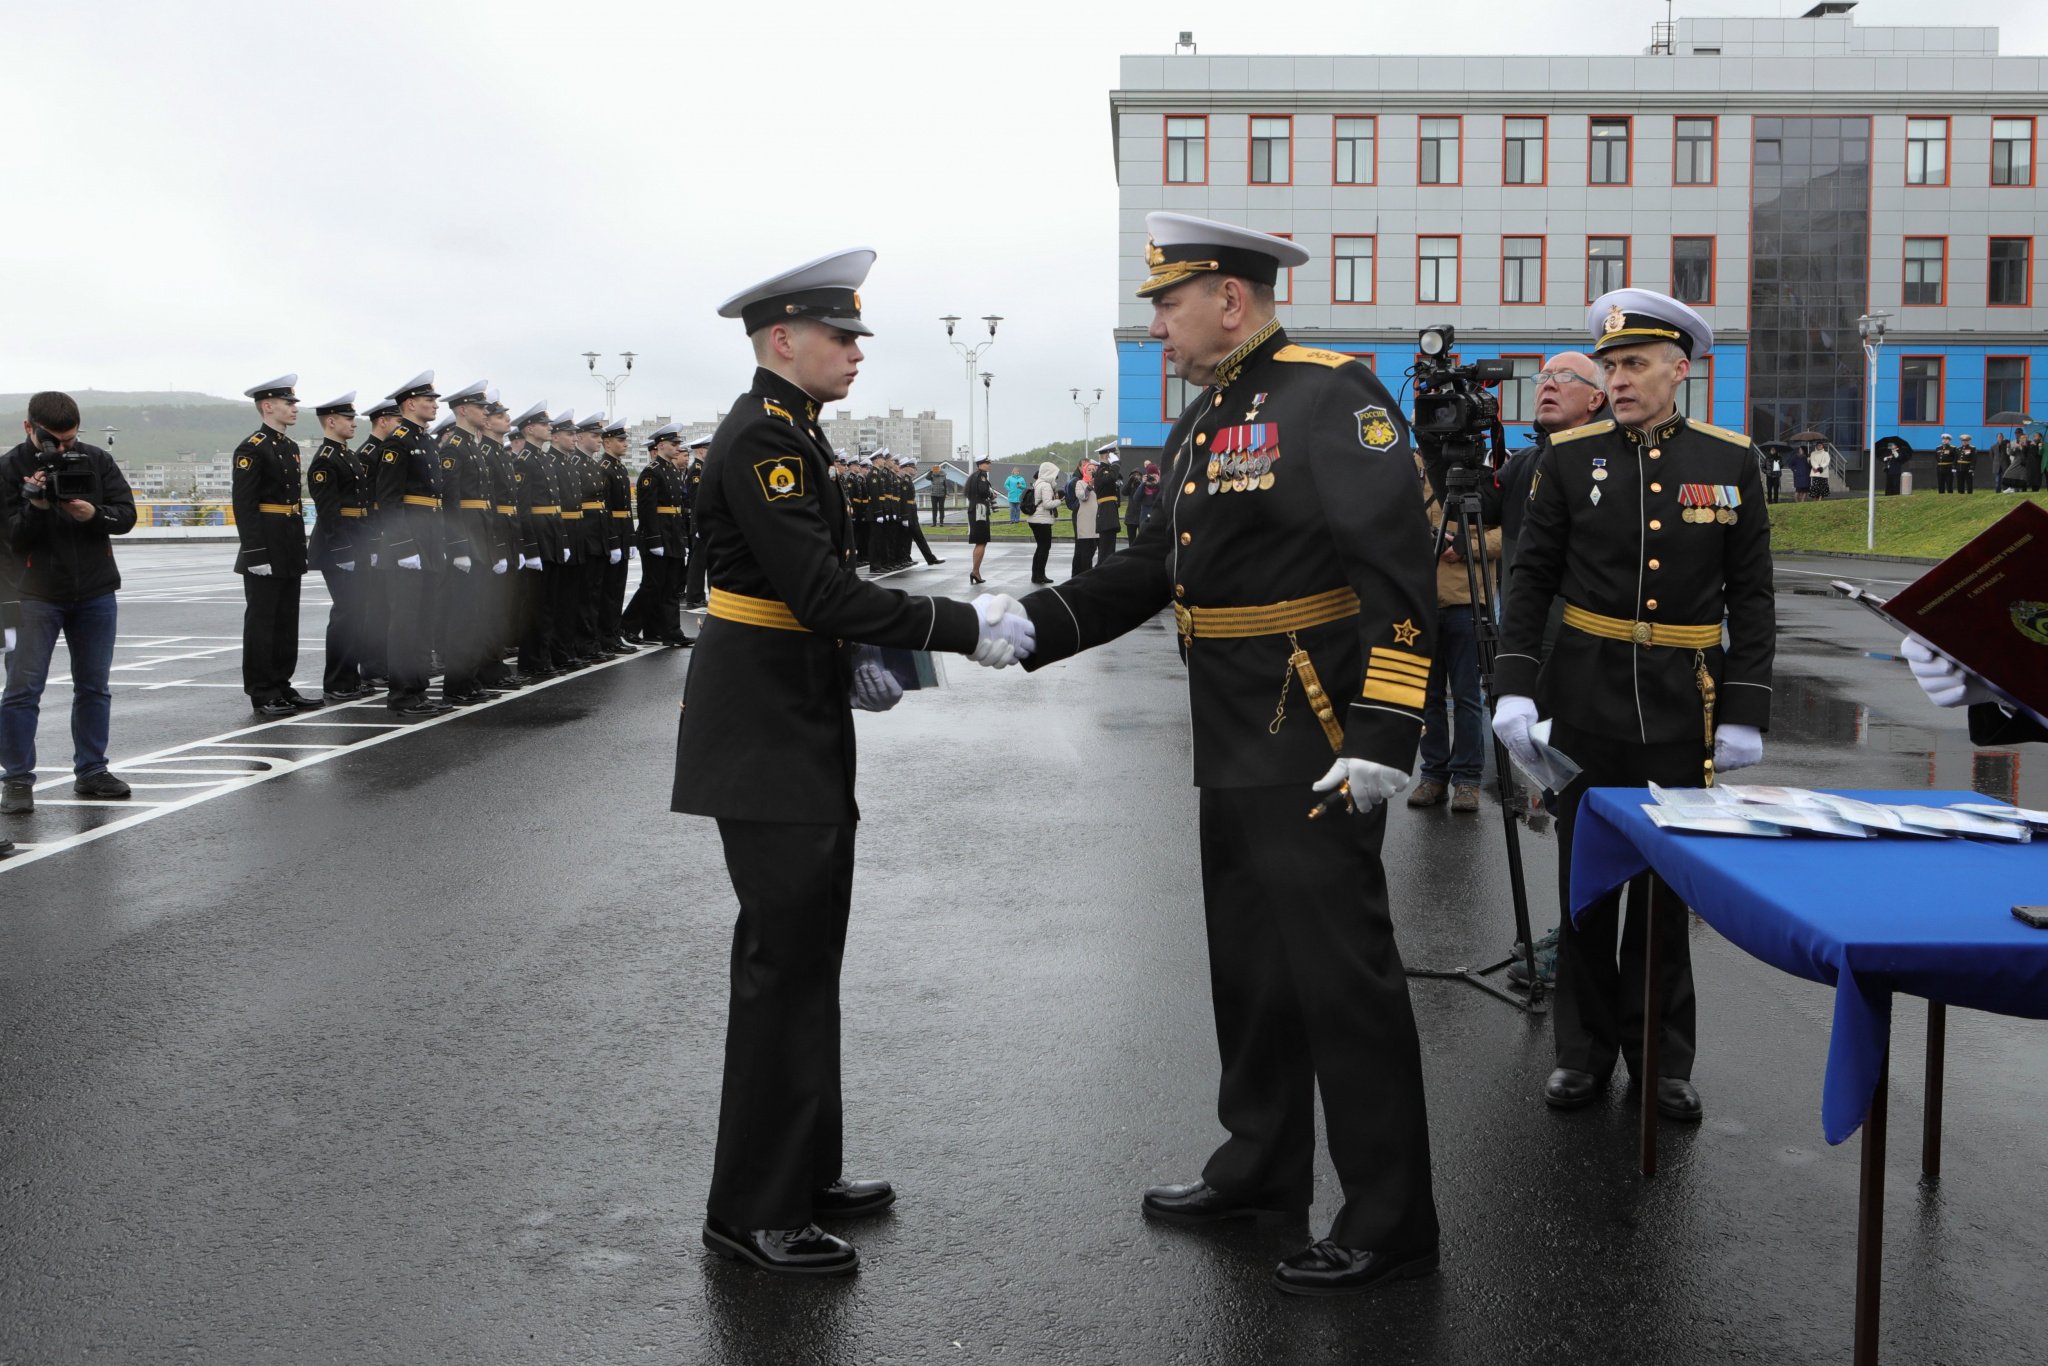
point(498, 567)
point(656, 550)
point(346, 564)
point(874, 688)
point(7, 641)
point(1737, 747)
point(461, 562)
point(615, 555)
point(261, 571)
point(1371, 783)
point(529, 561)
point(632, 553)
point(1512, 717)
point(1007, 635)
point(565, 554)
point(1946, 683)
point(409, 562)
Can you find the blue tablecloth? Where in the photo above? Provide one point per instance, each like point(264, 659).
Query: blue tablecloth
point(1931, 918)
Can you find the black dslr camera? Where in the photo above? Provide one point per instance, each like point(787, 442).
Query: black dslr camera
point(66, 474)
point(1457, 416)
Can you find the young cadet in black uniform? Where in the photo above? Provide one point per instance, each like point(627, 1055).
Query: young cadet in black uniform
point(771, 691)
point(542, 542)
point(618, 521)
point(270, 523)
point(1294, 551)
point(409, 536)
point(504, 554)
point(339, 548)
point(465, 521)
point(1652, 528)
point(566, 583)
point(373, 586)
point(1108, 510)
point(693, 475)
point(861, 510)
point(663, 539)
point(600, 542)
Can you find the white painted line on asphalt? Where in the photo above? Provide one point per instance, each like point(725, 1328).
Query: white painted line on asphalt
point(84, 801)
point(251, 744)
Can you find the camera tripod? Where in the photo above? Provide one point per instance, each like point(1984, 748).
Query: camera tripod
point(1465, 516)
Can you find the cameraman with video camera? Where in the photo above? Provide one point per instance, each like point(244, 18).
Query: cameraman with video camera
point(61, 503)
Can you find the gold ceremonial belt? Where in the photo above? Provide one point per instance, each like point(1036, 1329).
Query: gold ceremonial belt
point(421, 500)
point(1277, 618)
point(572, 516)
point(474, 504)
point(549, 511)
point(506, 509)
point(355, 512)
point(597, 506)
point(730, 606)
point(669, 512)
point(617, 513)
point(282, 509)
point(1642, 632)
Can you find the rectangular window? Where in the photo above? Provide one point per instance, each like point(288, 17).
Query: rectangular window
point(1522, 152)
point(1518, 395)
point(1272, 149)
point(1927, 151)
point(1352, 276)
point(1357, 160)
point(1608, 155)
point(1692, 269)
point(1696, 393)
point(1521, 270)
point(1606, 265)
point(1920, 389)
point(2012, 151)
point(2012, 276)
point(1436, 270)
point(1693, 162)
point(1439, 162)
point(1187, 149)
point(1926, 258)
point(1175, 393)
point(1283, 287)
point(2005, 385)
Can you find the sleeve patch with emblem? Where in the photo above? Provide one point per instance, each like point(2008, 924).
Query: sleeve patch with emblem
point(319, 476)
point(1376, 430)
point(780, 478)
point(243, 463)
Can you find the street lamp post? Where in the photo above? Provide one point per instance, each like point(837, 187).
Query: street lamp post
point(1087, 407)
point(973, 356)
point(611, 383)
point(988, 421)
point(1870, 327)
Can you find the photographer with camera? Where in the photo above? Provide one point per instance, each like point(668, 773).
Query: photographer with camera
point(61, 503)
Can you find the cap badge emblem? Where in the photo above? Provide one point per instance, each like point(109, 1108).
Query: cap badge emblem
point(1616, 320)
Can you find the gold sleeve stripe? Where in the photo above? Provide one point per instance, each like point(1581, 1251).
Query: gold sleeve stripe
point(1388, 652)
point(1401, 695)
point(1398, 668)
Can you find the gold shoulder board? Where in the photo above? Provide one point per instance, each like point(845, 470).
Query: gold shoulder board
point(1590, 429)
point(1732, 438)
point(1312, 355)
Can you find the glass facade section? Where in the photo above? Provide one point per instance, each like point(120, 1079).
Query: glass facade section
point(1809, 277)
point(1692, 269)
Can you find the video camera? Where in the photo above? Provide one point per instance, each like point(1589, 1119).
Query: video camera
point(1457, 416)
point(67, 474)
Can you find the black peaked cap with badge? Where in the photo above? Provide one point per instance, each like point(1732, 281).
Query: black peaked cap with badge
point(778, 548)
point(1287, 479)
point(1651, 536)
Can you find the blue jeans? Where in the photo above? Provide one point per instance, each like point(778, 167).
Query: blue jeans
point(1454, 745)
point(1013, 511)
point(88, 629)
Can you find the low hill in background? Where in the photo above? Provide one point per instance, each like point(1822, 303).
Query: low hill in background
point(154, 426)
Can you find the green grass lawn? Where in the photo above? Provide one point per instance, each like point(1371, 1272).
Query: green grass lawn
point(1925, 525)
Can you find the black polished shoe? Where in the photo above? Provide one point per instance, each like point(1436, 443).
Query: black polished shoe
point(619, 645)
point(275, 706)
point(1323, 1268)
point(1676, 1099)
point(679, 642)
point(101, 786)
point(17, 798)
point(845, 1199)
point(806, 1251)
point(1198, 1202)
point(421, 706)
point(936, 559)
point(1569, 1088)
point(304, 703)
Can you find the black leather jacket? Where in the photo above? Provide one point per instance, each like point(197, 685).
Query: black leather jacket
point(49, 556)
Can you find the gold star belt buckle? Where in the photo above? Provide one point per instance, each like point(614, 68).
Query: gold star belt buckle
point(1640, 633)
point(1184, 620)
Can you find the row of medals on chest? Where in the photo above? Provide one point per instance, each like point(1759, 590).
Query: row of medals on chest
point(1698, 514)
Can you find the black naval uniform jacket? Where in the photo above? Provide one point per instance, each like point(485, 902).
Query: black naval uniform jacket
point(661, 486)
point(618, 502)
point(539, 534)
point(593, 533)
point(465, 500)
point(341, 501)
point(409, 499)
point(1631, 555)
point(504, 505)
point(266, 475)
point(767, 731)
point(1315, 491)
point(369, 535)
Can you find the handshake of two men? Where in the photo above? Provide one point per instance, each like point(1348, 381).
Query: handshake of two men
point(1007, 638)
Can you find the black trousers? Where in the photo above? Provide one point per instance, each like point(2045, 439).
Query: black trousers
point(1597, 1012)
point(780, 1128)
point(611, 598)
point(1084, 552)
point(693, 581)
point(343, 671)
point(1310, 995)
point(533, 627)
point(589, 584)
point(863, 538)
point(374, 599)
point(1944, 479)
point(563, 581)
point(270, 634)
point(938, 509)
point(462, 602)
point(1105, 545)
point(917, 537)
point(1966, 479)
point(409, 593)
point(1042, 534)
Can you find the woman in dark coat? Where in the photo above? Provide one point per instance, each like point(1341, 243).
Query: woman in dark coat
point(981, 503)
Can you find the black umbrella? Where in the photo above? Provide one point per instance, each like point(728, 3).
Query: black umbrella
point(1774, 447)
point(1807, 436)
point(2007, 419)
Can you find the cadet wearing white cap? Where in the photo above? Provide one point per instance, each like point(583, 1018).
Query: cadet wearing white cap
point(409, 533)
point(663, 538)
point(575, 631)
point(339, 547)
point(618, 524)
point(376, 621)
point(1651, 527)
point(766, 746)
point(465, 528)
point(270, 523)
point(505, 554)
point(1293, 550)
point(693, 477)
point(542, 541)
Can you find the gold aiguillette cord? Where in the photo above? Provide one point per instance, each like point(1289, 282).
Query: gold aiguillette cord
point(1705, 682)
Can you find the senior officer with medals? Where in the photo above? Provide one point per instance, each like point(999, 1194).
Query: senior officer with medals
point(1294, 550)
point(766, 746)
point(270, 523)
point(1652, 529)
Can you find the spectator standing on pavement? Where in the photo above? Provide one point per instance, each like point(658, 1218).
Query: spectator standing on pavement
point(1774, 478)
point(1081, 499)
point(1044, 505)
point(981, 506)
point(59, 559)
point(1014, 487)
point(1802, 473)
point(1453, 708)
point(938, 494)
point(1817, 472)
point(1142, 501)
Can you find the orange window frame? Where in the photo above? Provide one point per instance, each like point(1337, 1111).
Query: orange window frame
point(1941, 302)
point(1542, 159)
point(1940, 392)
point(1373, 275)
point(2028, 300)
point(1542, 242)
point(1713, 153)
point(1457, 241)
point(2033, 151)
point(1628, 160)
point(1372, 172)
point(1713, 260)
point(1250, 138)
point(1948, 160)
point(1166, 150)
point(1420, 119)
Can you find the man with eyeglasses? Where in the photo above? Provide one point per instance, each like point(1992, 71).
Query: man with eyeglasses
point(57, 555)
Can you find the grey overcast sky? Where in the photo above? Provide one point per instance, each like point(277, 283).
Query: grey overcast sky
point(204, 193)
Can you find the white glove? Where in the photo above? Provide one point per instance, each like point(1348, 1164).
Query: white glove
point(565, 554)
point(874, 688)
point(1736, 747)
point(1371, 783)
point(409, 562)
point(1946, 683)
point(615, 554)
point(349, 565)
point(1007, 634)
point(498, 566)
point(529, 561)
point(7, 641)
point(461, 562)
point(261, 571)
point(656, 550)
point(632, 553)
point(1512, 717)
point(373, 559)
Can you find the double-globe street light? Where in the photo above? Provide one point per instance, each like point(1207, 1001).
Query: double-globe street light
point(973, 355)
point(611, 383)
point(1087, 407)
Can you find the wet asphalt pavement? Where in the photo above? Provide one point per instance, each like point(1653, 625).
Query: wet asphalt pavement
point(410, 1051)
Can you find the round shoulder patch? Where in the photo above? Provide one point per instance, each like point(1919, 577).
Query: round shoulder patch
point(391, 457)
point(243, 463)
point(447, 464)
point(319, 476)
